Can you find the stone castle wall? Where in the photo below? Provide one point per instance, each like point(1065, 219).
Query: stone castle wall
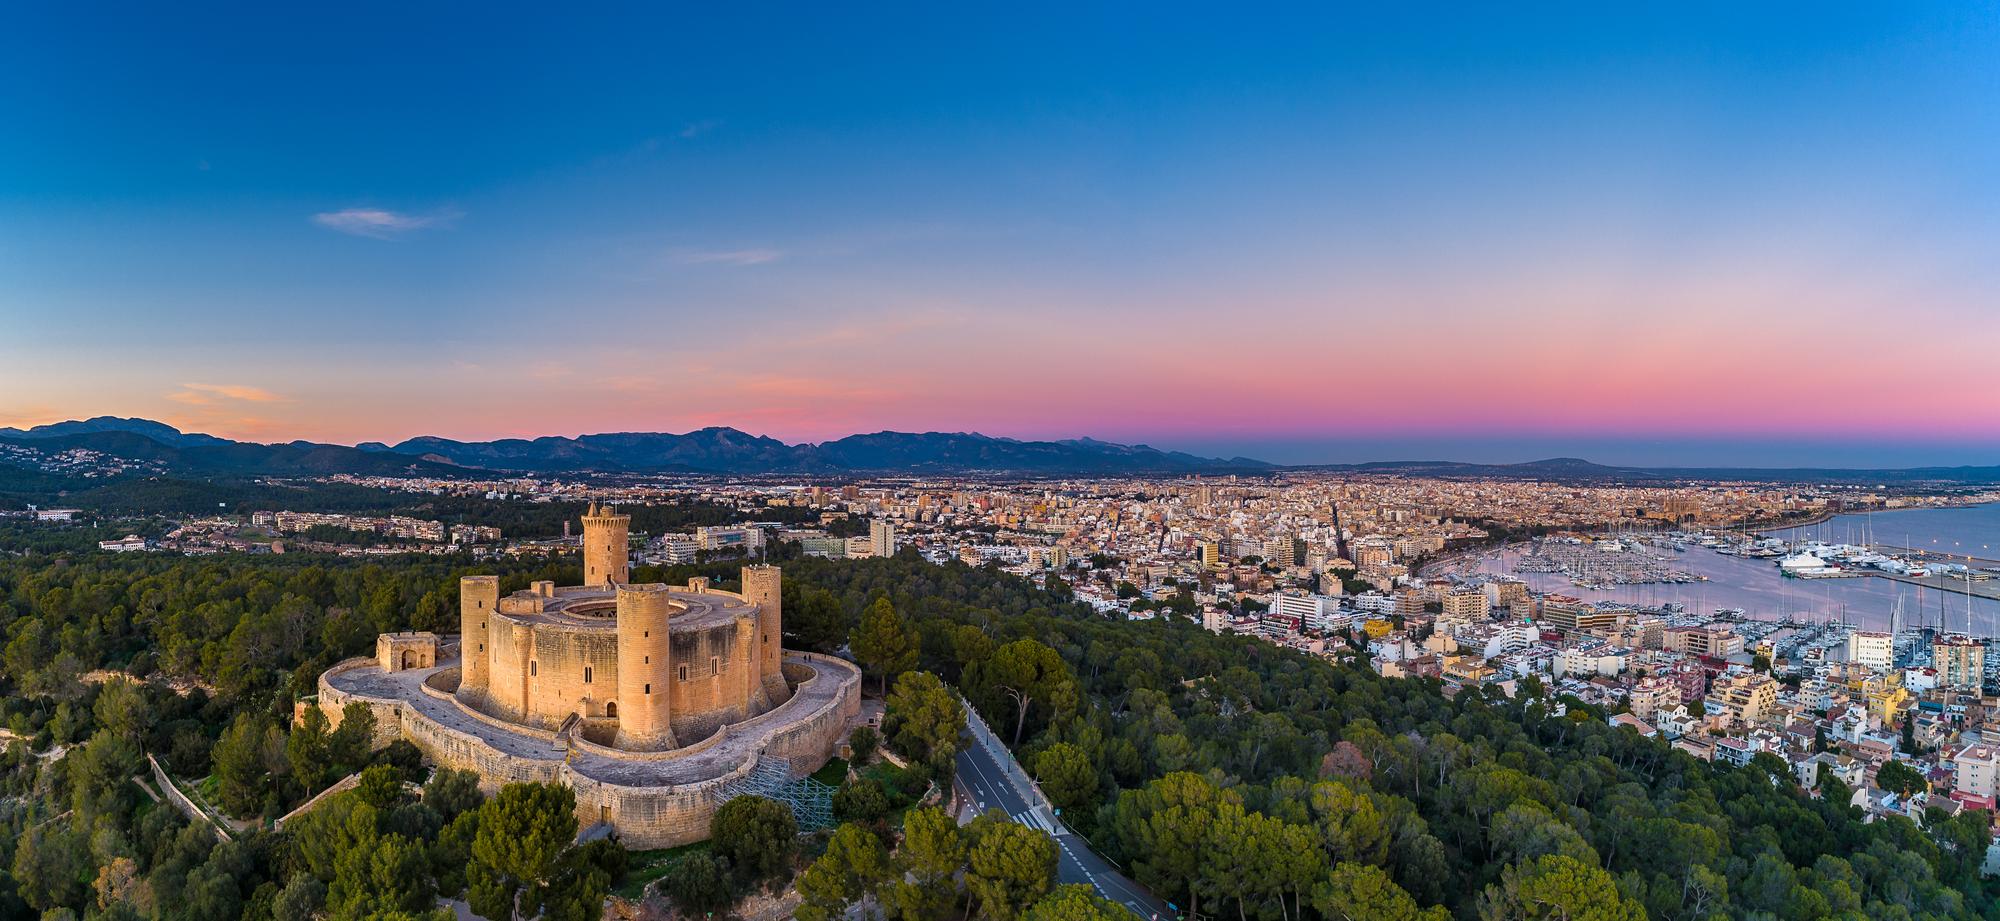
point(644, 816)
point(537, 673)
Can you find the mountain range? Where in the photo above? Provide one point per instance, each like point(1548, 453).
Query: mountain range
point(728, 451)
point(715, 450)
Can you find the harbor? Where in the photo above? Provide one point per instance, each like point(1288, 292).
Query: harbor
point(1739, 577)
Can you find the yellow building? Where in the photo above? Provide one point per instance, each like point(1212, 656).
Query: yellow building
point(1751, 698)
point(1886, 695)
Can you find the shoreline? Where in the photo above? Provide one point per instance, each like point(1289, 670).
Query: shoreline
point(1810, 521)
point(1823, 517)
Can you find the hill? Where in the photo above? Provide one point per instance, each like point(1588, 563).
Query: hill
point(157, 431)
point(189, 455)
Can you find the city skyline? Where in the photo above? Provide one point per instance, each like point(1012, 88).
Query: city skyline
point(1708, 238)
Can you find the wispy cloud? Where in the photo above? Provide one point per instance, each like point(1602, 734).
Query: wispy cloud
point(381, 223)
point(727, 256)
point(697, 129)
point(213, 394)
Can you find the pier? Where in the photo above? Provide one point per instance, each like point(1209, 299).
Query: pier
point(1936, 555)
point(1987, 590)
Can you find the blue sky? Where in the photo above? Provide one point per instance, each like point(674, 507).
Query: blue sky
point(1764, 234)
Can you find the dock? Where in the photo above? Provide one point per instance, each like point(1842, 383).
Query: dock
point(1987, 589)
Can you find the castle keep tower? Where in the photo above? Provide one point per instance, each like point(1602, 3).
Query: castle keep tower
point(652, 702)
point(644, 649)
point(606, 552)
point(761, 587)
point(478, 598)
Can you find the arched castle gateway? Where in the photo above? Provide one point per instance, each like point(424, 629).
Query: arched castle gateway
point(655, 703)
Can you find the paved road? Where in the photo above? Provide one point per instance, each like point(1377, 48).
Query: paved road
point(983, 777)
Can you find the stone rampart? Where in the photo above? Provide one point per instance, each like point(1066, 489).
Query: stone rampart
point(644, 814)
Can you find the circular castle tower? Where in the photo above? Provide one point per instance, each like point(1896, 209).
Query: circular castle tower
point(606, 546)
point(653, 702)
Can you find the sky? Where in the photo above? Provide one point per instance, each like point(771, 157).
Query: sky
point(1759, 234)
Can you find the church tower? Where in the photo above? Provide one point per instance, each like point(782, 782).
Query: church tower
point(606, 551)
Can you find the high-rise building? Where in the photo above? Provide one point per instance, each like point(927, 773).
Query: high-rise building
point(1502, 592)
point(1960, 662)
point(882, 537)
point(1874, 650)
point(1466, 605)
point(1283, 551)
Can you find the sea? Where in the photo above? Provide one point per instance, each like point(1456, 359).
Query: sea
point(1756, 587)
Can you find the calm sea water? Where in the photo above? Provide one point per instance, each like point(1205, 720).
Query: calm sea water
point(1974, 529)
point(1758, 589)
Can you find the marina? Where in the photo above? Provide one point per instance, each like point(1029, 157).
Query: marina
point(1746, 577)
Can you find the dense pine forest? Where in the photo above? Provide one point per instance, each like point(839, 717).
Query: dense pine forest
point(1235, 778)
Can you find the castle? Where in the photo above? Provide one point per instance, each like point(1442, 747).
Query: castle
point(640, 667)
point(654, 702)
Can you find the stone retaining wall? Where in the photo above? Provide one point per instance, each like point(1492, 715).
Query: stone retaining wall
point(643, 816)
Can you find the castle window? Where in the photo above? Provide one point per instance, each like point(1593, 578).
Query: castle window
point(586, 674)
point(649, 660)
point(714, 665)
point(531, 666)
point(684, 673)
point(611, 709)
point(649, 688)
point(767, 639)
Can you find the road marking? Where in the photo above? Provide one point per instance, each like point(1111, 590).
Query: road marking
point(1029, 819)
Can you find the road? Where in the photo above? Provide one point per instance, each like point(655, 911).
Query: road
point(984, 779)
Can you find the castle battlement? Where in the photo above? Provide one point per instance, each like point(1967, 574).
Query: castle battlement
point(659, 684)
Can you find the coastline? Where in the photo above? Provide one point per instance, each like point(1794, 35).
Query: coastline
point(1807, 522)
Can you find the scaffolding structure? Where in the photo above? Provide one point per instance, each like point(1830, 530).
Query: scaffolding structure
point(811, 802)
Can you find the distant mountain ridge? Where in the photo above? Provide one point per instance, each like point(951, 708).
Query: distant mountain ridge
point(727, 450)
point(203, 455)
point(721, 450)
point(713, 450)
point(158, 431)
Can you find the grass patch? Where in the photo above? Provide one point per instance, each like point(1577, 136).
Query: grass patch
point(902, 785)
point(643, 867)
point(833, 774)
